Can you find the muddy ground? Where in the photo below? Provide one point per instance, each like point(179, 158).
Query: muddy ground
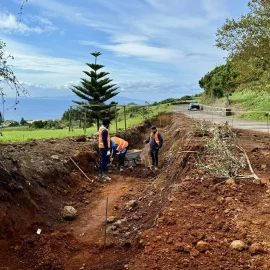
point(176, 218)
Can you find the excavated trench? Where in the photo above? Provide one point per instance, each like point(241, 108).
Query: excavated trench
point(38, 180)
point(152, 216)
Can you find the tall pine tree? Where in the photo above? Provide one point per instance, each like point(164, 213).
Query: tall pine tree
point(96, 90)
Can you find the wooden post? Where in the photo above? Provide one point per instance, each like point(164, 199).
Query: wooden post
point(125, 117)
point(84, 125)
point(115, 118)
point(69, 126)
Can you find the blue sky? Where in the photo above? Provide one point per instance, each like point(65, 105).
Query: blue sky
point(153, 49)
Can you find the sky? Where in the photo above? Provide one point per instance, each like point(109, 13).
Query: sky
point(153, 49)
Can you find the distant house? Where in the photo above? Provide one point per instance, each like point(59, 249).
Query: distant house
point(32, 121)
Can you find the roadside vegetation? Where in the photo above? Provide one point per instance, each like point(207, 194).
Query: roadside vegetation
point(243, 81)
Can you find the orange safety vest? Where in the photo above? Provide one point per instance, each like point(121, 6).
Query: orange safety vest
point(121, 143)
point(100, 141)
point(156, 138)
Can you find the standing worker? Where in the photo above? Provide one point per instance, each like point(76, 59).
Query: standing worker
point(155, 141)
point(104, 144)
point(119, 147)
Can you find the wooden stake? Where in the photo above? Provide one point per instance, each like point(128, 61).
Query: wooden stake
point(81, 170)
point(105, 232)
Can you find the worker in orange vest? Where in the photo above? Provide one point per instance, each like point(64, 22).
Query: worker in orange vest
point(119, 147)
point(104, 145)
point(155, 141)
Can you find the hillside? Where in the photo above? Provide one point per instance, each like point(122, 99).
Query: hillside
point(243, 81)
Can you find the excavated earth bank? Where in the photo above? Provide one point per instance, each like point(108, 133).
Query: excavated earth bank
point(176, 218)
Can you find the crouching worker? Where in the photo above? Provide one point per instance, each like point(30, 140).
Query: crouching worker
point(104, 144)
point(155, 141)
point(119, 147)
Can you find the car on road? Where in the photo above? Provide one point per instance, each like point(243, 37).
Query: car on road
point(194, 106)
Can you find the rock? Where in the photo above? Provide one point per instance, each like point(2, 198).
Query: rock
point(115, 233)
point(194, 252)
point(201, 172)
point(187, 178)
point(202, 246)
point(89, 189)
point(69, 213)
point(86, 202)
point(264, 166)
point(55, 157)
point(135, 217)
point(238, 245)
point(113, 228)
point(83, 267)
point(124, 229)
point(172, 199)
point(229, 199)
point(170, 241)
point(131, 205)
point(258, 222)
point(179, 247)
point(230, 182)
point(81, 139)
point(256, 249)
point(111, 219)
point(159, 237)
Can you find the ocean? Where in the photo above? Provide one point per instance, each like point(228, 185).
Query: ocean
point(47, 107)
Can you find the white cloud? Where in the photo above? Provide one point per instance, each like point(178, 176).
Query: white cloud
point(37, 18)
point(9, 24)
point(29, 58)
point(75, 14)
point(141, 50)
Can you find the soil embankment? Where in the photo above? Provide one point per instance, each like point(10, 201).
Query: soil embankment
point(176, 218)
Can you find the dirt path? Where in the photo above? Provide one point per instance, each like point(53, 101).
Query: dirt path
point(88, 229)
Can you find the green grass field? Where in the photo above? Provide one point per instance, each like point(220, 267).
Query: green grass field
point(249, 105)
point(20, 134)
point(255, 104)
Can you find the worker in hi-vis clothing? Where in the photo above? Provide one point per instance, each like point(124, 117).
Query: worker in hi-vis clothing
point(104, 145)
point(119, 147)
point(155, 141)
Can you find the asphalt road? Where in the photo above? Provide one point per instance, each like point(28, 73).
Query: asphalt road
point(234, 122)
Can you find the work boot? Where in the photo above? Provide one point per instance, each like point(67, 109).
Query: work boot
point(106, 177)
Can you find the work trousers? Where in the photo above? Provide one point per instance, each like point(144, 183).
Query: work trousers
point(121, 157)
point(103, 161)
point(154, 155)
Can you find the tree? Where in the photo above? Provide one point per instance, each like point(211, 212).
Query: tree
point(23, 122)
point(248, 38)
point(1, 118)
point(79, 114)
point(220, 82)
point(96, 90)
point(8, 78)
